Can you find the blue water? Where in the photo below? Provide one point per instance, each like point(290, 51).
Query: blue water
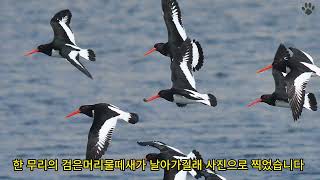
point(238, 37)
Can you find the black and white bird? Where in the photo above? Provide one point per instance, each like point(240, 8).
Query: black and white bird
point(176, 35)
point(289, 88)
point(170, 153)
point(105, 117)
point(298, 58)
point(207, 173)
point(63, 44)
point(183, 89)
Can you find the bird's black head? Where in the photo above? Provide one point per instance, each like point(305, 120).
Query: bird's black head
point(268, 98)
point(166, 94)
point(162, 48)
point(280, 61)
point(280, 65)
point(45, 49)
point(152, 157)
point(85, 109)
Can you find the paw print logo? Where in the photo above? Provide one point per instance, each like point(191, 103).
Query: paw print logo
point(308, 8)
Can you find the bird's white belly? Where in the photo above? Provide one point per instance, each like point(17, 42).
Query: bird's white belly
point(183, 100)
point(282, 104)
point(56, 54)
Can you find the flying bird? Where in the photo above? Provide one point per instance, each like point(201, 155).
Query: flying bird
point(170, 153)
point(63, 44)
point(293, 57)
point(207, 173)
point(105, 117)
point(176, 35)
point(183, 90)
point(289, 88)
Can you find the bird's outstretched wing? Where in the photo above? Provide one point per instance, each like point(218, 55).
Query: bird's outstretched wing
point(100, 138)
point(72, 55)
point(172, 17)
point(181, 68)
point(296, 90)
point(60, 24)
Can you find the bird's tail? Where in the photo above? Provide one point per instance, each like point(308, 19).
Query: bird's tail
point(310, 102)
point(88, 54)
point(134, 118)
point(209, 100)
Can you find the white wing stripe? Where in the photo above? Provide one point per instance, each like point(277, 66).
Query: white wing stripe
point(299, 84)
point(175, 149)
point(73, 46)
point(197, 95)
point(186, 71)
point(312, 67)
point(108, 126)
point(73, 55)
point(70, 35)
point(195, 55)
point(309, 57)
point(175, 19)
point(122, 114)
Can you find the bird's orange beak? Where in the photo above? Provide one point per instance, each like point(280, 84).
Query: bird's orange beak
point(32, 52)
point(151, 98)
point(150, 51)
point(73, 113)
point(264, 69)
point(254, 102)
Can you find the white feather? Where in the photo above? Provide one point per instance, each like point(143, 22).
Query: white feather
point(298, 84)
point(73, 55)
point(312, 67)
point(122, 114)
point(68, 31)
point(82, 52)
point(307, 102)
point(204, 98)
point(186, 71)
point(309, 57)
point(179, 26)
point(195, 55)
point(104, 130)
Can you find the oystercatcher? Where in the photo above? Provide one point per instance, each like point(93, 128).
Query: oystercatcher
point(208, 174)
point(289, 88)
point(176, 35)
point(293, 57)
point(105, 117)
point(170, 153)
point(183, 89)
point(63, 44)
